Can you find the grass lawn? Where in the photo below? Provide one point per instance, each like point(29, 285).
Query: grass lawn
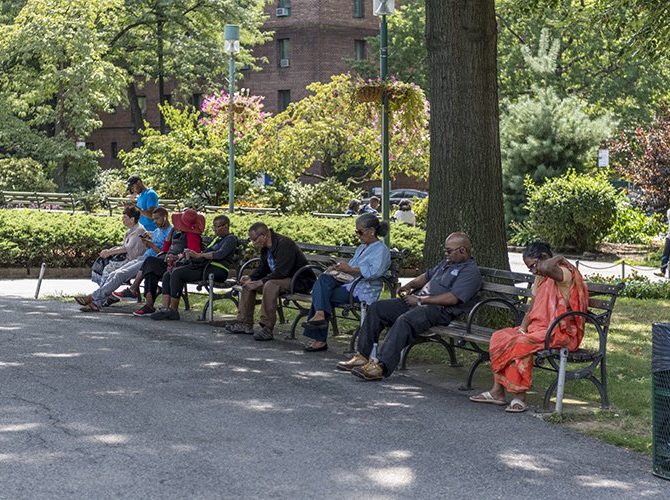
point(627, 423)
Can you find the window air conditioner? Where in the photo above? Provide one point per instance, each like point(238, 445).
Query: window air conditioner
point(282, 12)
point(284, 63)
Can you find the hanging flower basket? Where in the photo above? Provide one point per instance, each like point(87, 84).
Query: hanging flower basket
point(369, 93)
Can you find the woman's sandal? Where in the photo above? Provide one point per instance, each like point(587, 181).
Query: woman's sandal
point(488, 398)
point(516, 406)
point(90, 308)
point(82, 300)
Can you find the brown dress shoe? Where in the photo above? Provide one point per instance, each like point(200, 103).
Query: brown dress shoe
point(369, 371)
point(357, 360)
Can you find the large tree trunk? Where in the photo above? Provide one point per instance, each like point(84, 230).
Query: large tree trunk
point(135, 111)
point(465, 171)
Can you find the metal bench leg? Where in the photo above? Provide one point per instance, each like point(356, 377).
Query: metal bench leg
point(602, 386)
point(481, 358)
point(301, 314)
point(561, 380)
point(335, 331)
point(449, 346)
point(547, 395)
point(184, 294)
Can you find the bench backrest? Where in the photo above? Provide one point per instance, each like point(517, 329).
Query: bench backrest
point(516, 287)
point(39, 200)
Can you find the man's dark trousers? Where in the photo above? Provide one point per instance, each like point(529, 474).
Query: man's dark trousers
point(405, 322)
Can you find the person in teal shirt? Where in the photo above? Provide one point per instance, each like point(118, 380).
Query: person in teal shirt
point(146, 201)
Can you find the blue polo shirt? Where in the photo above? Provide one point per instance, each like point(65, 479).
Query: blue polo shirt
point(145, 200)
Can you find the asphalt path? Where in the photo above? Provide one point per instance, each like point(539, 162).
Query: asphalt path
point(110, 406)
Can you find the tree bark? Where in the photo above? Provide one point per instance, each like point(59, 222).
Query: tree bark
point(135, 111)
point(465, 181)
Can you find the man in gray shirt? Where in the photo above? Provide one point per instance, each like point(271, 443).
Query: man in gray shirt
point(444, 292)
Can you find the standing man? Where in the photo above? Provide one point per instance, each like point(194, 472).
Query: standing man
point(280, 259)
point(444, 292)
point(146, 201)
point(372, 207)
point(666, 250)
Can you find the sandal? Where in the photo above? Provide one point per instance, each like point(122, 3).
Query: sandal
point(82, 300)
point(516, 406)
point(488, 398)
point(90, 308)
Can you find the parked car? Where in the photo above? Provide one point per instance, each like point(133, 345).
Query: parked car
point(397, 194)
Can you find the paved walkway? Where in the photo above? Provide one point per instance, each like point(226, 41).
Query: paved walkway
point(110, 406)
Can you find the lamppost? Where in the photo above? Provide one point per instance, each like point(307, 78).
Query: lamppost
point(383, 8)
point(231, 35)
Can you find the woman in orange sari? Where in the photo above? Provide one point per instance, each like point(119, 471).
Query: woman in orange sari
point(558, 288)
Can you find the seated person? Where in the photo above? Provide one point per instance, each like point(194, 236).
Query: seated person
point(404, 213)
point(152, 244)
point(186, 233)
point(131, 248)
point(372, 207)
point(558, 288)
point(217, 258)
point(280, 259)
point(371, 261)
point(445, 292)
point(353, 208)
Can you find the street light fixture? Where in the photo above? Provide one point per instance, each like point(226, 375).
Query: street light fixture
point(231, 46)
point(383, 8)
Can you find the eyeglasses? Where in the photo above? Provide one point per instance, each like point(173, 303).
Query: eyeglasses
point(360, 232)
point(449, 251)
point(254, 238)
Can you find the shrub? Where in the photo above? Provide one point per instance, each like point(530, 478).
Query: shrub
point(328, 196)
point(420, 209)
point(29, 237)
point(24, 174)
point(637, 286)
point(631, 225)
point(573, 211)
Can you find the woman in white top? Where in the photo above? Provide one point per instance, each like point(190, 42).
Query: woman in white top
point(404, 213)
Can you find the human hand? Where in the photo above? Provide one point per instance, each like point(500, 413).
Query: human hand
point(344, 267)
point(244, 279)
point(411, 300)
point(404, 290)
point(104, 254)
point(189, 254)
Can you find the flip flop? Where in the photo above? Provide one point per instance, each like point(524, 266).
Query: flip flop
point(516, 406)
point(309, 348)
point(487, 398)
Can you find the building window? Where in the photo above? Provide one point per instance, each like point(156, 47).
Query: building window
point(360, 50)
point(283, 8)
point(167, 98)
point(196, 100)
point(115, 150)
point(359, 8)
point(283, 99)
point(284, 52)
point(90, 146)
point(142, 103)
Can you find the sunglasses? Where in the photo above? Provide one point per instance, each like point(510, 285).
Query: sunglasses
point(360, 232)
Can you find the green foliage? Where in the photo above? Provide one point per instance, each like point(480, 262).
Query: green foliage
point(632, 225)
point(30, 237)
point(420, 209)
point(637, 286)
point(573, 211)
point(543, 135)
point(192, 158)
point(328, 196)
point(23, 174)
point(327, 128)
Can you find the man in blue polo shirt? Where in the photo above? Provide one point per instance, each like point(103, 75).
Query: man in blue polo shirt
point(146, 201)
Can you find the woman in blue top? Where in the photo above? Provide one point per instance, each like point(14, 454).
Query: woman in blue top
point(371, 261)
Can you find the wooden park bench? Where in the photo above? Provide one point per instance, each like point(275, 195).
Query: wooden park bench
point(510, 291)
point(324, 215)
point(40, 201)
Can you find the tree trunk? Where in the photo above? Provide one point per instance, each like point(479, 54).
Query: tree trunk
point(135, 111)
point(465, 170)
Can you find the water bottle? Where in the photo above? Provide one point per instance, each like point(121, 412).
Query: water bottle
point(373, 353)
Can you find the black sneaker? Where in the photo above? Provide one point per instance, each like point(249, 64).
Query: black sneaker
point(169, 314)
point(110, 301)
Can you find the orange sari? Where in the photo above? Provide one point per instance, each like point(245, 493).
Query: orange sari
point(511, 352)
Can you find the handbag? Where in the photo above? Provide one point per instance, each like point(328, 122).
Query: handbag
point(340, 276)
point(99, 264)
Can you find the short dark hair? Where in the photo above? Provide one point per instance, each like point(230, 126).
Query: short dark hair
point(354, 204)
point(132, 212)
point(371, 220)
point(405, 205)
point(259, 227)
point(374, 198)
point(160, 211)
point(223, 218)
point(538, 250)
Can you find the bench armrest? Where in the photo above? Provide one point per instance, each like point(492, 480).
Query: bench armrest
point(244, 266)
point(491, 300)
point(308, 267)
point(588, 318)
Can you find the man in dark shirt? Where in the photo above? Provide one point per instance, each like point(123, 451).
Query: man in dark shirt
point(435, 298)
point(280, 259)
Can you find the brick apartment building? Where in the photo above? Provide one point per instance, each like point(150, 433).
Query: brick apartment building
point(313, 41)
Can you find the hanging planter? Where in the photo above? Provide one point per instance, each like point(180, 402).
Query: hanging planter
point(369, 92)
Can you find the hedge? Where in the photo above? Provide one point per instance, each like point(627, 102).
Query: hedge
point(30, 237)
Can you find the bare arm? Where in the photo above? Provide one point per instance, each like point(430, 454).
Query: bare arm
point(551, 267)
point(415, 284)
